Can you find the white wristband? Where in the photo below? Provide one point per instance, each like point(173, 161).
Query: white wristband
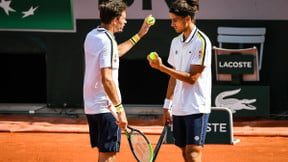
point(167, 104)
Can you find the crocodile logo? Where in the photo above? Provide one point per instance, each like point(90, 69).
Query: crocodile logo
point(234, 104)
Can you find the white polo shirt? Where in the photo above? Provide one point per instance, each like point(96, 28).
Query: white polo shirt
point(195, 50)
point(101, 51)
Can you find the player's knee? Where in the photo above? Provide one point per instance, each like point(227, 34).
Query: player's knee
point(193, 152)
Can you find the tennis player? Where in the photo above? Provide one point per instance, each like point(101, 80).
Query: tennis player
point(188, 97)
point(101, 90)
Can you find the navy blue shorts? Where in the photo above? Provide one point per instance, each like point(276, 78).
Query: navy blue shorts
point(104, 132)
point(190, 129)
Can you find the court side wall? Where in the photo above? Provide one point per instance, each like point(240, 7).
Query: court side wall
point(138, 82)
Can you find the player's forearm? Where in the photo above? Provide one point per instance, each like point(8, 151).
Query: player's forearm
point(170, 88)
point(124, 47)
point(180, 75)
point(111, 91)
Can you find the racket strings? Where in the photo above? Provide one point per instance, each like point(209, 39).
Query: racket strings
point(140, 146)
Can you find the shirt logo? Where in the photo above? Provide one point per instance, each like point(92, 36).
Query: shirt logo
point(200, 54)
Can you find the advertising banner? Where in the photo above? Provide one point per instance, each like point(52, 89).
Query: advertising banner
point(37, 15)
point(245, 101)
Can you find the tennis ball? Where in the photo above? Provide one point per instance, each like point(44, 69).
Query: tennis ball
point(150, 20)
point(152, 55)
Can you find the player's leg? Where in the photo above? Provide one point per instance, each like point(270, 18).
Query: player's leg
point(107, 157)
point(196, 130)
point(193, 153)
point(179, 133)
point(183, 149)
point(105, 135)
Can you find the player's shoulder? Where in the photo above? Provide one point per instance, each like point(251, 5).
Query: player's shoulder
point(97, 32)
point(201, 38)
point(99, 35)
point(201, 35)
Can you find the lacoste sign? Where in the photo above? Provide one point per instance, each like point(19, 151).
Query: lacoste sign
point(235, 64)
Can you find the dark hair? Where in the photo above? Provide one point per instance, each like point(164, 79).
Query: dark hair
point(185, 8)
point(110, 10)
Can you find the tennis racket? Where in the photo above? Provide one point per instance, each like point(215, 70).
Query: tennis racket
point(139, 145)
point(161, 140)
point(138, 142)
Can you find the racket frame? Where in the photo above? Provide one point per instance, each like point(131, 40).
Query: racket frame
point(129, 138)
point(161, 140)
point(128, 135)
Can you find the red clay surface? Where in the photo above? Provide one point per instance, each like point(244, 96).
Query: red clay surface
point(46, 139)
point(74, 147)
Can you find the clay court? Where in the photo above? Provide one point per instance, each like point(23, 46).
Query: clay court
point(50, 139)
point(69, 147)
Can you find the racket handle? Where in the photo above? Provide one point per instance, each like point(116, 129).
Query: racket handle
point(167, 123)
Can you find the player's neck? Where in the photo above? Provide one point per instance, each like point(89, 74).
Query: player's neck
point(108, 27)
point(188, 30)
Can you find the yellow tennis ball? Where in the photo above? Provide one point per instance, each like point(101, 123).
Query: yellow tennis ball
point(152, 55)
point(151, 20)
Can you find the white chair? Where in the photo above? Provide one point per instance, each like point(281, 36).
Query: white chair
point(241, 35)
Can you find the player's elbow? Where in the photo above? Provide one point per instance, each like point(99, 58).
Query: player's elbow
point(106, 81)
point(191, 82)
point(192, 79)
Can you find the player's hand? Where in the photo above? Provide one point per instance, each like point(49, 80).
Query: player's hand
point(122, 120)
point(167, 117)
point(155, 63)
point(144, 28)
